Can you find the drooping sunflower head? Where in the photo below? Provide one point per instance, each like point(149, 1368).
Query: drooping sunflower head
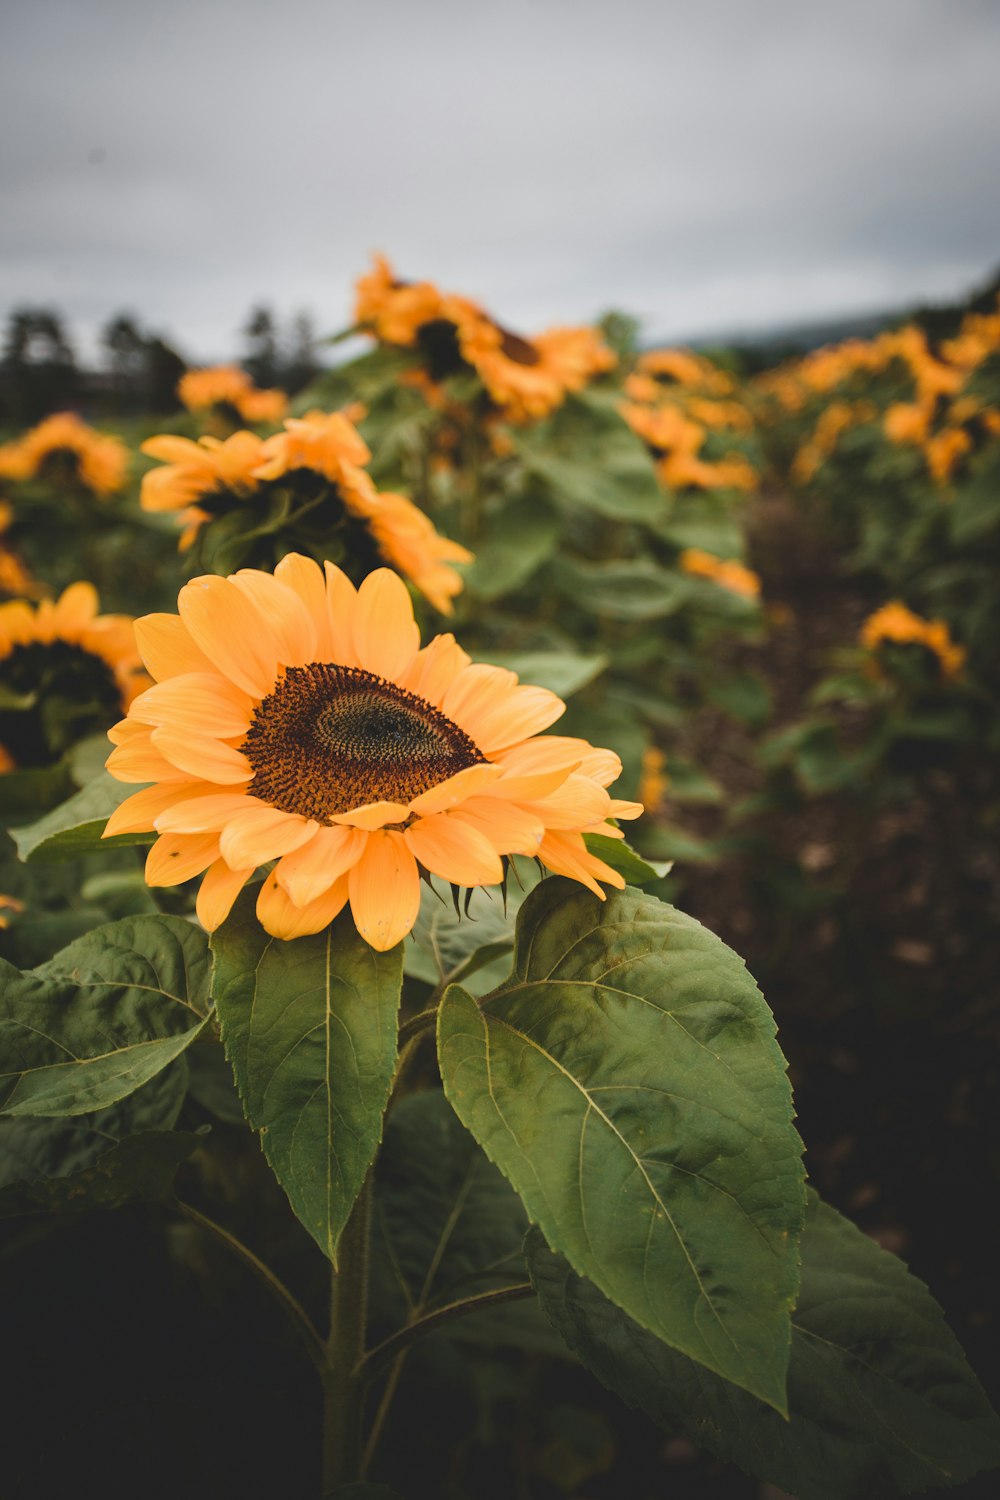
point(529, 378)
point(297, 719)
point(65, 672)
point(306, 484)
point(64, 449)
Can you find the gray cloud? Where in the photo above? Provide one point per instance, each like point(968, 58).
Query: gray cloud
point(712, 166)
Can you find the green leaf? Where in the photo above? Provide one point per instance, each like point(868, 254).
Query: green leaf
point(627, 1081)
point(33, 1149)
point(447, 1225)
point(880, 1396)
point(526, 533)
point(309, 1027)
point(140, 1167)
point(562, 672)
point(638, 590)
point(614, 477)
point(617, 854)
point(75, 826)
point(448, 945)
point(102, 1017)
point(32, 791)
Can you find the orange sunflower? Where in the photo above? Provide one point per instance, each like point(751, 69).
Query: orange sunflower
point(322, 455)
point(65, 671)
point(296, 719)
point(529, 378)
point(897, 623)
point(96, 459)
point(395, 310)
point(229, 386)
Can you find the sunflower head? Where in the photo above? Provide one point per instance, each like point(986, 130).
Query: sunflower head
point(895, 624)
point(230, 396)
point(65, 672)
point(297, 721)
point(307, 486)
point(65, 451)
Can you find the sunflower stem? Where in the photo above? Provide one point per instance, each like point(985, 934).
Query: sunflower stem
point(343, 1390)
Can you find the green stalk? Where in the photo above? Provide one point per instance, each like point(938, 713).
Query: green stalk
point(343, 1390)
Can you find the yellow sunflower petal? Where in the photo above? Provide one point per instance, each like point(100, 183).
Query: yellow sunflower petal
point(434, 669)
point(455, 850)
point(137, 759)
point(453, 791)
point(494, 711)
point(231, 631)
point(509, 829)
point(176, 857)
point(166, 647)
point(305, 578)
point(386, 637)
point(373, 815)
point(191, 701)
point(576, 804)
point(341, 600)
point(567, 854)
point(280, 917)
point(259, 833)
point(209, 759)
point(328, 855)
point(208, 812)
point(289, 622)
point(384, 889)
point(138, 812)
point(217, 892)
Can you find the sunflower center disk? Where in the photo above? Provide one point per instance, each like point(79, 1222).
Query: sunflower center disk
point(332, 738)
point(518, 349)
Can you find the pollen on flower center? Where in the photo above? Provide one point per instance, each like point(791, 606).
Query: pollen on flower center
point(331, 738)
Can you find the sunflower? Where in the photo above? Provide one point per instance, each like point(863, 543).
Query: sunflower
point(63, 443)
point(227, 386)
point(65, 671)
point(296, 719)
point(899, 625)
point(395, 310)
point(322, 455)
point(529, 378)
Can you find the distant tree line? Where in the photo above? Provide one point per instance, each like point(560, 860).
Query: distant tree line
point(137, 371)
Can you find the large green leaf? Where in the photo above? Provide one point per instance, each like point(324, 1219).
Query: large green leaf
point(75, 826)
point(522, 538)
point(626, 1079)
point(36, 1150)
point(309, 1027)
point(447, 1225)
point(613, 477)
point(452, 942)
point(880, 1396)
point(627, 590)
point(102, 1017)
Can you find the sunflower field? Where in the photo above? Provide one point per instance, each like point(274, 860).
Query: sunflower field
point(401, 784)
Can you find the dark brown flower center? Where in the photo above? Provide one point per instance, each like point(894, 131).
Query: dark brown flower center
point(51, 695)
point(518, 349)
point(332, 738)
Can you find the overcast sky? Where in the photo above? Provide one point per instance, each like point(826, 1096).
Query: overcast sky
point(715, 164)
